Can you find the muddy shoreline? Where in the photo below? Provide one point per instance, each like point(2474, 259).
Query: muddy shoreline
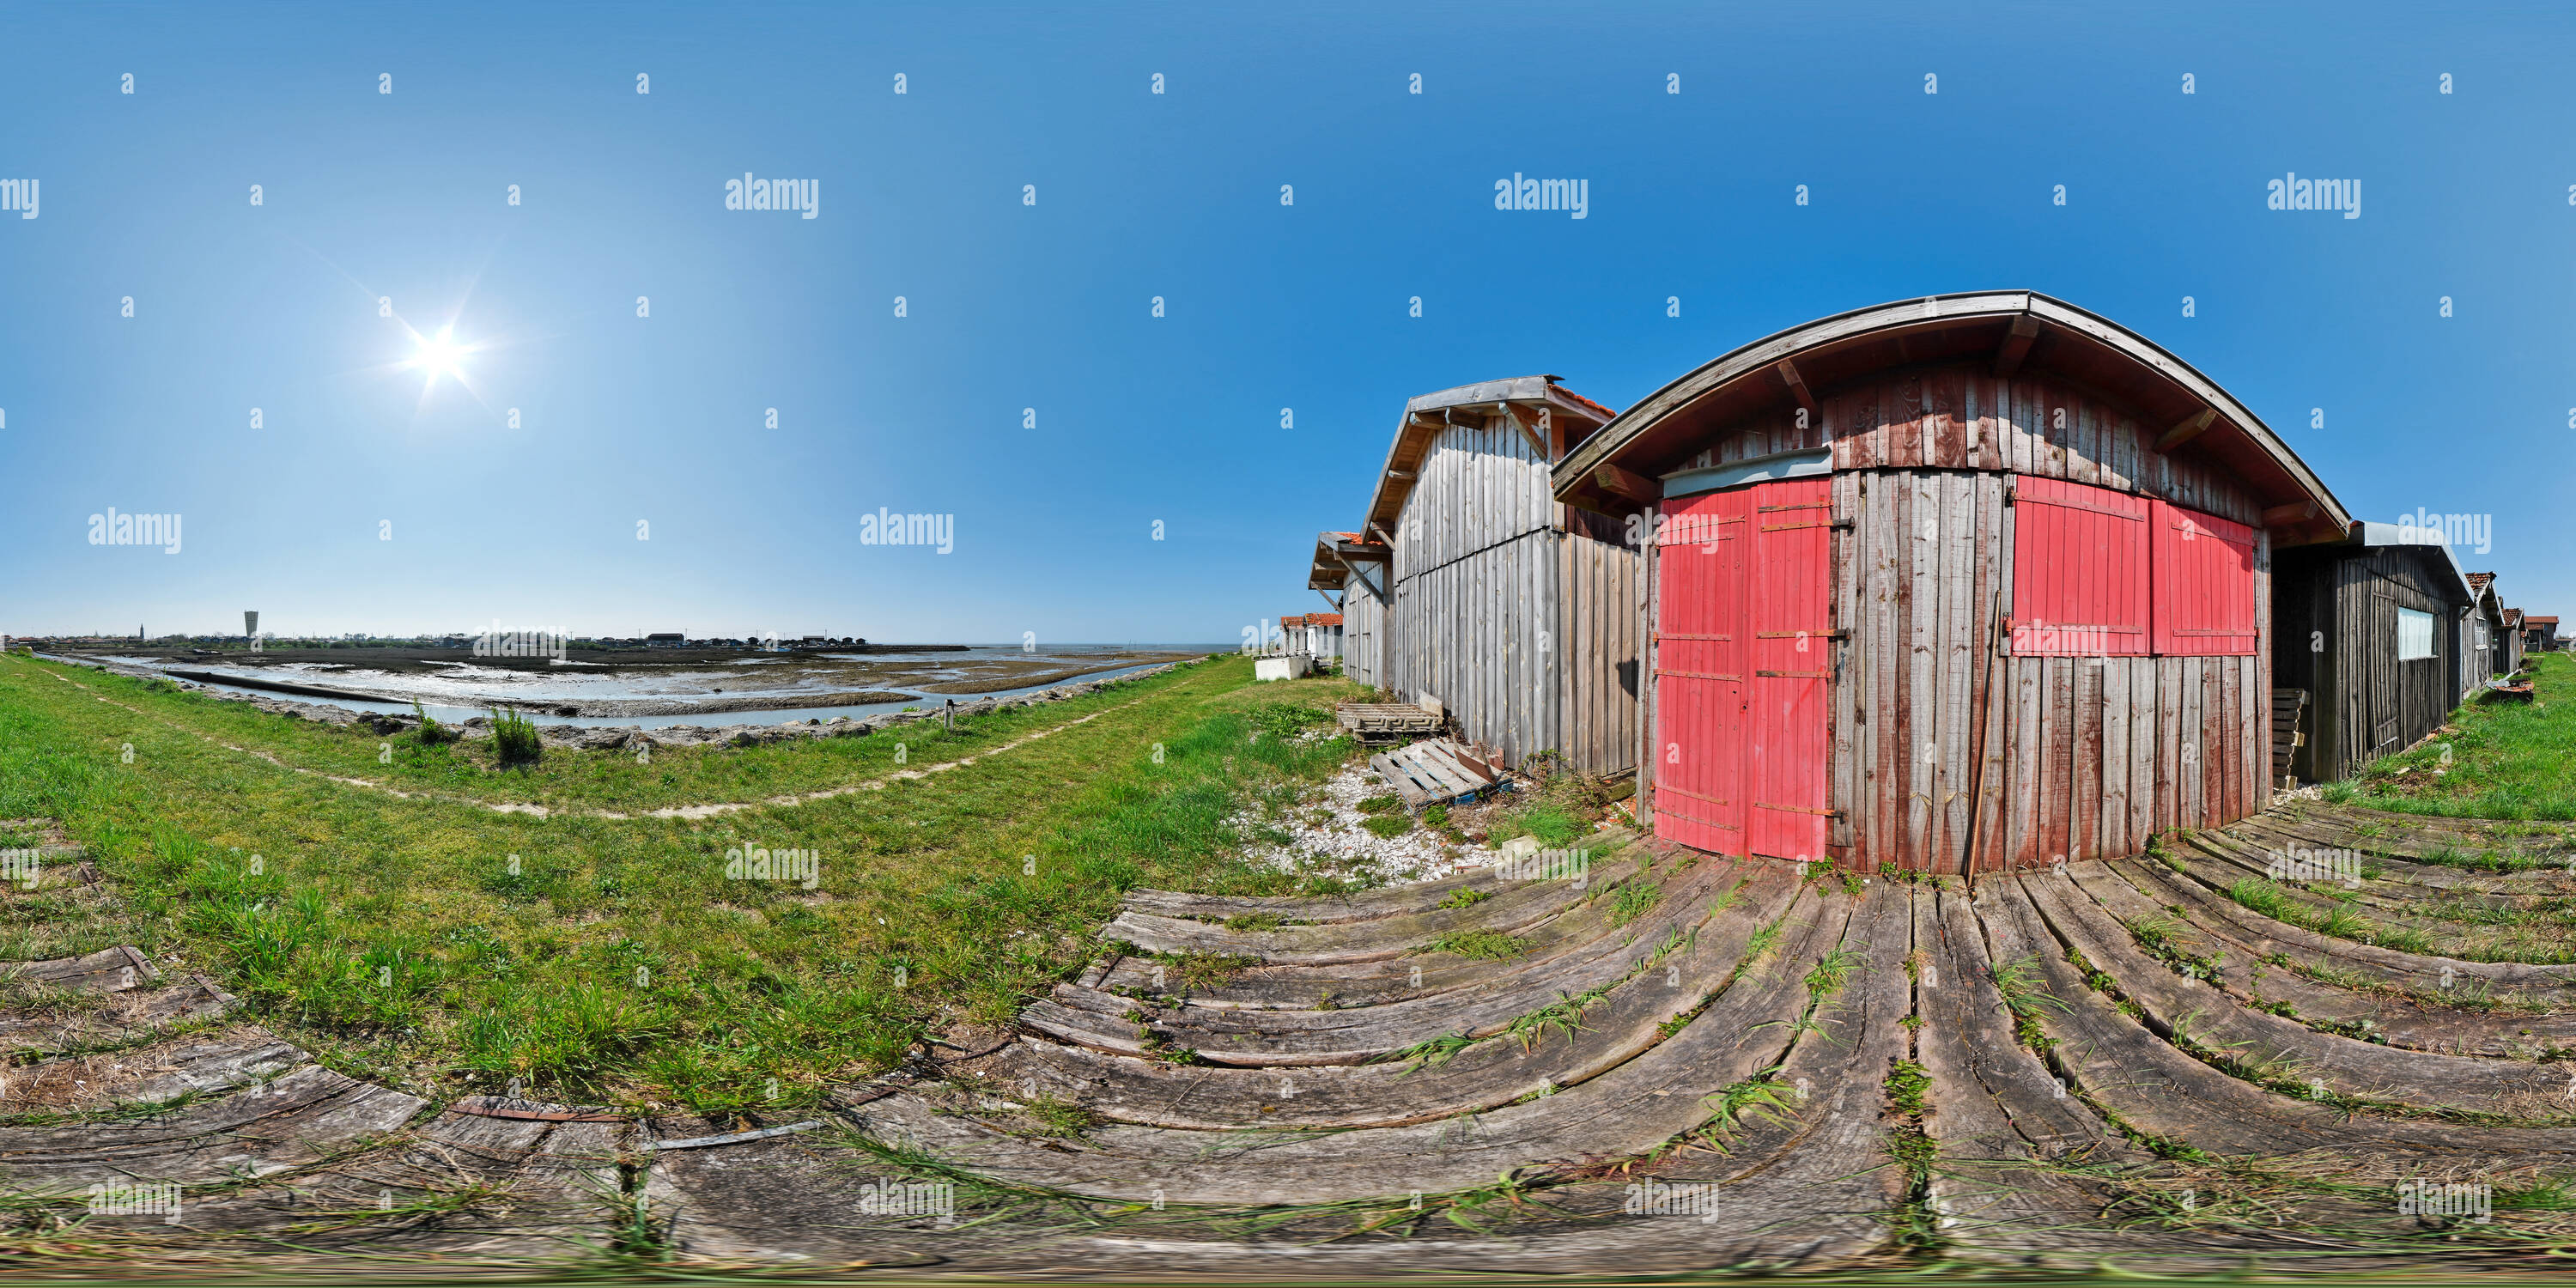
point(690, 684)
point(627, 737)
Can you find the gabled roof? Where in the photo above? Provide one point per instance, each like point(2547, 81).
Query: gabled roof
point(2025, 329)
point(2535, 619)
point(1429, 414)
point(1335, 551)
point(2375, 536)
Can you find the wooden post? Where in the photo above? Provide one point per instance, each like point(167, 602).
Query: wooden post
point(1977, 771)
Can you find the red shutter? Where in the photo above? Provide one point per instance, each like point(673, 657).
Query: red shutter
point(2204, 584)
point(2079, 570)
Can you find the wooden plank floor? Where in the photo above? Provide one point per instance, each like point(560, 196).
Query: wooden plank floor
point(1678, 1064)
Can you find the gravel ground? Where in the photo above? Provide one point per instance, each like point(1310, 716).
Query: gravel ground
point(1327, 837)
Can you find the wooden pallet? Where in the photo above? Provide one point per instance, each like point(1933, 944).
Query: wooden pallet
point(1372, 720)
point(1434, 772)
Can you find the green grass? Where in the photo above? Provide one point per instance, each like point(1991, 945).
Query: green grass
point(1480, 944)
point(1634, 899)
point(616, 962)
point(2508, 760)
point(2023, 985)
point(514, 739)
point(1389, 824)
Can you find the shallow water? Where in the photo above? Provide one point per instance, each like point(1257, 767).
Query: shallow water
point(465, 691)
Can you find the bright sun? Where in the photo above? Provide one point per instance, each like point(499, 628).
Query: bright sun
point(440, 355)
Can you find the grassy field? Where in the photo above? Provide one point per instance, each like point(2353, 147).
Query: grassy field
point(441, 945)
point(2501, 759)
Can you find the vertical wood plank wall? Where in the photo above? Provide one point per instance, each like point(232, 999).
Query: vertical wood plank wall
point(2083, 757)
point(2385, 705)
point(1363, 631)
point(1525, 632)
point(1601, 581)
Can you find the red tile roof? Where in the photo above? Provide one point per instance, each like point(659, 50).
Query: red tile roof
point(1335, 619)
point(1606, 413)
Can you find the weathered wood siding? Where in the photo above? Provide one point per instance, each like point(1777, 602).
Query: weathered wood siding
point(2367, 702)
point(2083, 757)
point(1363, 632)
point(1601, 582)
point(1959, 417)
point(1476, 589)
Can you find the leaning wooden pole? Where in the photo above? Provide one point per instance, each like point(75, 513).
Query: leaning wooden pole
point(1977, 741)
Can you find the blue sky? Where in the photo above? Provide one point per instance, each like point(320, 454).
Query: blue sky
point(1138, 419)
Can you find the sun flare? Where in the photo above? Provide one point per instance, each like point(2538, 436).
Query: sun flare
point(440, 355)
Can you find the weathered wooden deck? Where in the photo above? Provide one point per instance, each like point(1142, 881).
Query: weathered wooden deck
point(2088, 1044)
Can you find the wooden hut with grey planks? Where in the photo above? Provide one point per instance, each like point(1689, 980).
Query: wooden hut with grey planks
point(2370, 627)
point(1470, 590)
point(1957, 584)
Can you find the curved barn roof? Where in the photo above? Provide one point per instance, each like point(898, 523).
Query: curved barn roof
point(2022, 330)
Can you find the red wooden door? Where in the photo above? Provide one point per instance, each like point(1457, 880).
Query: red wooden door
point(1699, 672)
point(1744, 670)
point(1790, 616)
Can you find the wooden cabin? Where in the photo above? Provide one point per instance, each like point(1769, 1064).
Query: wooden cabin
point(2516, 639)
point(1318, 635)
point(1469, 587)
point(2538, 635)
point(2484, 646)
point(1960, 583)
point(2368, 626)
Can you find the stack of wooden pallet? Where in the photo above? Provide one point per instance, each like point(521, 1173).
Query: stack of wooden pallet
point(1376, 720)
point(1435, 772)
